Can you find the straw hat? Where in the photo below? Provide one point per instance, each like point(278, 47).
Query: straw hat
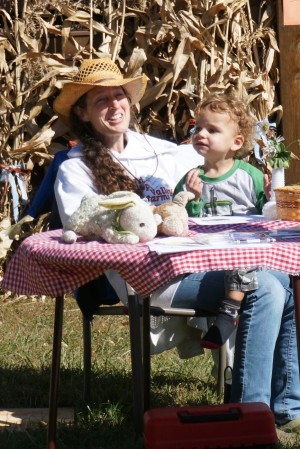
point(97, 72)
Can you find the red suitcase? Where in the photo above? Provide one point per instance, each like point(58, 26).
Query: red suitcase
point(212, 426)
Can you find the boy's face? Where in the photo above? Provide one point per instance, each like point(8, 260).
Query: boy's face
point(216, 135)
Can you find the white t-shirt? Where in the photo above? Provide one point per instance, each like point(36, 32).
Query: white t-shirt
point(158, 163)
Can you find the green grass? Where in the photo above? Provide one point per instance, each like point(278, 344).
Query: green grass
point(26, 326)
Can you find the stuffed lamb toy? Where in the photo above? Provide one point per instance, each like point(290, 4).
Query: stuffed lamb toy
point(121, 217)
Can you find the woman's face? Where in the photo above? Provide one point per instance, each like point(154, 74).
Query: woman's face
point(107, 109)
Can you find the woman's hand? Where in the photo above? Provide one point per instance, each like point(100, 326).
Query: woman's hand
point(194, 184)
point(267, 186)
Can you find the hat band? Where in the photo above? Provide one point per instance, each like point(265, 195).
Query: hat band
point(107, 79)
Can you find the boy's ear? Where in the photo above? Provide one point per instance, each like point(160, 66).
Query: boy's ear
point(238, 142)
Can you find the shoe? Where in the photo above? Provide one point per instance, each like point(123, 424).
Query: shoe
point(219, 332)
point(292, 426)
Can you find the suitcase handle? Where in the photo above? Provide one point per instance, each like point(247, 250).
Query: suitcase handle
point(231, 415)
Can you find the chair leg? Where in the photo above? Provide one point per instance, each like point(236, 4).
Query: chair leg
point(136, 362)
point(87, 359)
point(54, 380)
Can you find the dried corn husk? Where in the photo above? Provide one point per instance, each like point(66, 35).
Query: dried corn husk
point(185, 47)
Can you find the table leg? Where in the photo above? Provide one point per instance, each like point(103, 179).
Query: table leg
point(136, 362)
point(54, 380)
point(296, 287)
point(146, 352)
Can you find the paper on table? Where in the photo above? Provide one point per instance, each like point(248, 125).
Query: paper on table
point(285, 233)
point(168, 245)
point(233, 238)
point(226, 219)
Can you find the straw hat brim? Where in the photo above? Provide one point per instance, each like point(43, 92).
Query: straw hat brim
point(72, 91)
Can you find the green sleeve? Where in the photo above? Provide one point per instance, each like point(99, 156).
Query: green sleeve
point(261, 201)
point(193, 208)
point(258, 182)
point(261, 198)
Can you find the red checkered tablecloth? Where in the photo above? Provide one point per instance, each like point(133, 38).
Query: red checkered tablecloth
point(44, 264)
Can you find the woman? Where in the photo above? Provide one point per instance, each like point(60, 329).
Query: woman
point(110, 157)
point(98, 107)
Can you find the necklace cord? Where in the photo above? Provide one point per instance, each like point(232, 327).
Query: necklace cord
point(139, 181)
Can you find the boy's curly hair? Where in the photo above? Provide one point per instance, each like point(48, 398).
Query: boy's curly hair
point(238, 111)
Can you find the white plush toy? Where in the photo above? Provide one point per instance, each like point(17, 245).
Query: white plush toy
point(121, 217)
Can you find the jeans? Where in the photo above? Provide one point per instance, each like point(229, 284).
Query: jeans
point(266, 365)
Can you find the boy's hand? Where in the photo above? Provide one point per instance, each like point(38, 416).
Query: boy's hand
point(267, 186)
point(194, 184)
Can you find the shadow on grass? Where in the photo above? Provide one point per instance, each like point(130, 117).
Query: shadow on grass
point(106, 424)
point(27, 387)
point(99, 436)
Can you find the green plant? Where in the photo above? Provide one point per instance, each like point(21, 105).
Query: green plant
point(270, 149)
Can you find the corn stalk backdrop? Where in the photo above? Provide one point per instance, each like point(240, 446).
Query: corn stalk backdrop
point(185, 47)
